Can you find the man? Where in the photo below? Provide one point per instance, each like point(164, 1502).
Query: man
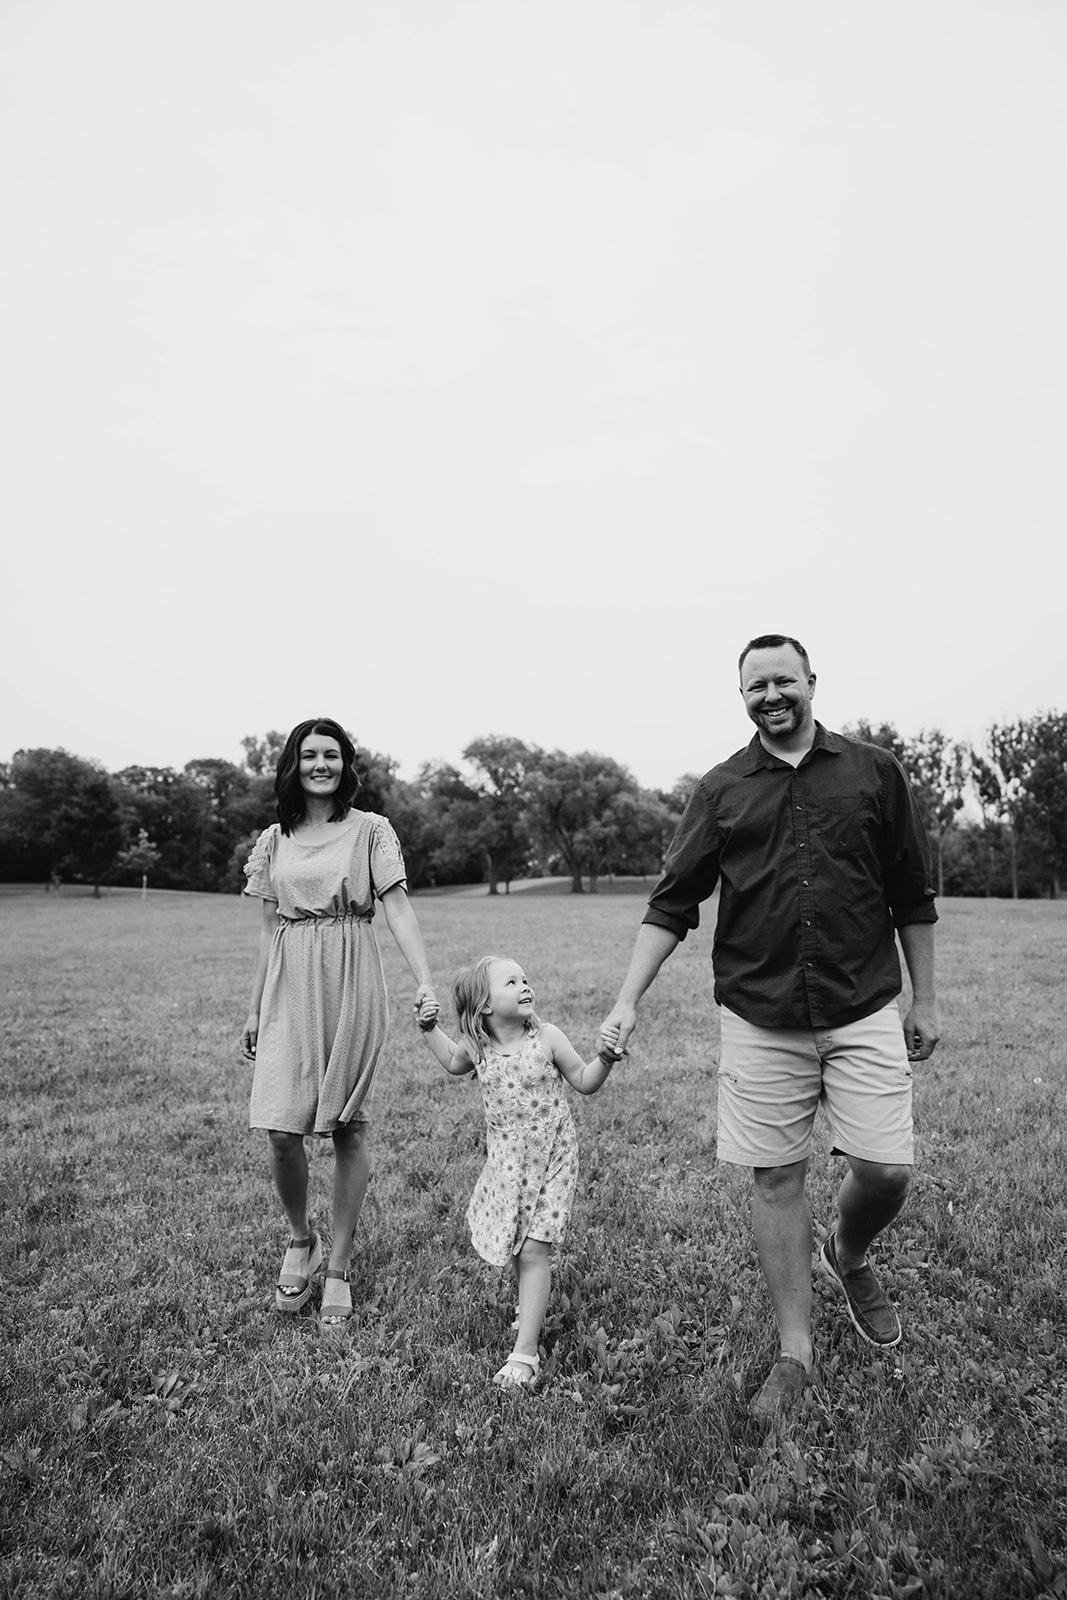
point(820, 854)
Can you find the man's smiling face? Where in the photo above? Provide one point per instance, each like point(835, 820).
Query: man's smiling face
point(777, 689)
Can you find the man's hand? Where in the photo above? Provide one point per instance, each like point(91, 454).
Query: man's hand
point(624, 1020)
point(922, 1029)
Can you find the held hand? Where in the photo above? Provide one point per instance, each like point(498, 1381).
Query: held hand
point(607, 1044)
point(250, 1038)
point(922, 1030)
point(617, 1027)
point(426, 1013)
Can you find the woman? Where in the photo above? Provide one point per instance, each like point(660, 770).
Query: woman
point(319, 1014)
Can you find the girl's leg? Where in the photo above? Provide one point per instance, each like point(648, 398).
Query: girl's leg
point(534, 1267)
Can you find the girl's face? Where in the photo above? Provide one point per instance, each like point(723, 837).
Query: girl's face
point(510, 996)
point(321, 765)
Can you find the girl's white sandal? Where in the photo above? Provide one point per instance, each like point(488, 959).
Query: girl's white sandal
point(509, 1378)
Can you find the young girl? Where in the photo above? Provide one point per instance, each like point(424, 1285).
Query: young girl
point(521, 1203)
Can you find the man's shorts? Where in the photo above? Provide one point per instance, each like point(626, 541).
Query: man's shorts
point(772, 1081)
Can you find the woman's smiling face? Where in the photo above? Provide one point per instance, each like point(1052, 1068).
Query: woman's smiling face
point(321, 765)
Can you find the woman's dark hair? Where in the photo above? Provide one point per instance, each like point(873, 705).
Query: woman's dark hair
point(292, 802)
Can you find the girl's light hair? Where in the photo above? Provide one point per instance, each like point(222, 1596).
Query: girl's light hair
point(470, 998)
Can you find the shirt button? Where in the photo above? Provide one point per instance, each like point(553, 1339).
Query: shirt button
point(804, 882)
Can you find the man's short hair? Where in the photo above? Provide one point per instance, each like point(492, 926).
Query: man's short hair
point(774, 641)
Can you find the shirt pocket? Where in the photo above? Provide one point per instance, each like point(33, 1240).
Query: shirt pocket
point(844, 823)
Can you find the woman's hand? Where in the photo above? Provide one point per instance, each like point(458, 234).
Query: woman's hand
point(250, 1037)
point(426, 1008)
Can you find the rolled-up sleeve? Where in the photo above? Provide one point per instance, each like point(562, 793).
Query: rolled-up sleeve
point(910, 890)
point(691, 869)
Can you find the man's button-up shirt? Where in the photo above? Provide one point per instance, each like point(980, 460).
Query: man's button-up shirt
point(817, 865)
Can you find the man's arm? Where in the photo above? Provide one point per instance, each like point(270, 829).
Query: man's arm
point(922, 1025)
point(651, 949)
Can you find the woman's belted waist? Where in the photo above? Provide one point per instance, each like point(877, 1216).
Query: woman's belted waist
point(339, 916)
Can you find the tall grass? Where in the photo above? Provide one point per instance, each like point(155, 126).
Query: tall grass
point(165, 1433)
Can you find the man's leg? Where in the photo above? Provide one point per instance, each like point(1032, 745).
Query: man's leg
point(870, 1196)
point(867, 1082)
point(781, 1223)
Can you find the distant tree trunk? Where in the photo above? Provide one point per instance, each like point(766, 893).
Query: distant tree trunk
point(144, 885)
point(1013, 857)
point(576, 882)
point(490, 866)
point(594, 881)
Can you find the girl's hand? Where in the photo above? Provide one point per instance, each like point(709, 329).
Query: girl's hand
point(426, 1013)
point(607, 1043)
point(250, 1038)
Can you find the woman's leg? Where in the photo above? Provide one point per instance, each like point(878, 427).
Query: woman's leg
point(351, 1174)
point(289, 1168)
point(301, 1261)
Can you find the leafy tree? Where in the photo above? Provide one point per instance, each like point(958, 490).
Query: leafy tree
point(584, 807)
point(1044, 809)
point(262, 755)
point(884, 734)
point(940, 774)
point(230, 807)
point(1000, 778)
point(66, 810)
point(497, 820)
point(170, 808)
point(138, 859)
point(454, 810)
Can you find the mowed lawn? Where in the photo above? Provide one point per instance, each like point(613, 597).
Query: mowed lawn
point(163, 1432)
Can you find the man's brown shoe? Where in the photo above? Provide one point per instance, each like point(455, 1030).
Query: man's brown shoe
point(868, 1304)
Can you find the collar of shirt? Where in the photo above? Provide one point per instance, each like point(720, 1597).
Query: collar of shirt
point(758, 758)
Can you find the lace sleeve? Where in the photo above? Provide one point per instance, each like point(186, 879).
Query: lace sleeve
point(257, 867)
point(386, 859)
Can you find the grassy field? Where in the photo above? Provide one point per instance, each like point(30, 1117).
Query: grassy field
point(164, 1433)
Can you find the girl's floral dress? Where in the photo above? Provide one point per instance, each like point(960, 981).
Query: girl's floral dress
point(527, 1185)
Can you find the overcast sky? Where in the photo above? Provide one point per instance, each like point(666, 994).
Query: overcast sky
point(456, 367)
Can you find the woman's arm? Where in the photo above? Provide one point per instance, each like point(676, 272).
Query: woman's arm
point(405, 930)
point(585, 1076)
point(267, 928)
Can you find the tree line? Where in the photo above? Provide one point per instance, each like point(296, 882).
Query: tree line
point(996, 814)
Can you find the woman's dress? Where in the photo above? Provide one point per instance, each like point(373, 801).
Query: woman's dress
point(527, 1185)
point(324, 1014)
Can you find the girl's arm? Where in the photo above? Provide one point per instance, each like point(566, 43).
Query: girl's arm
point(585, 1076)
point(267, 928)
point(405, 930)
point(453, 1057)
